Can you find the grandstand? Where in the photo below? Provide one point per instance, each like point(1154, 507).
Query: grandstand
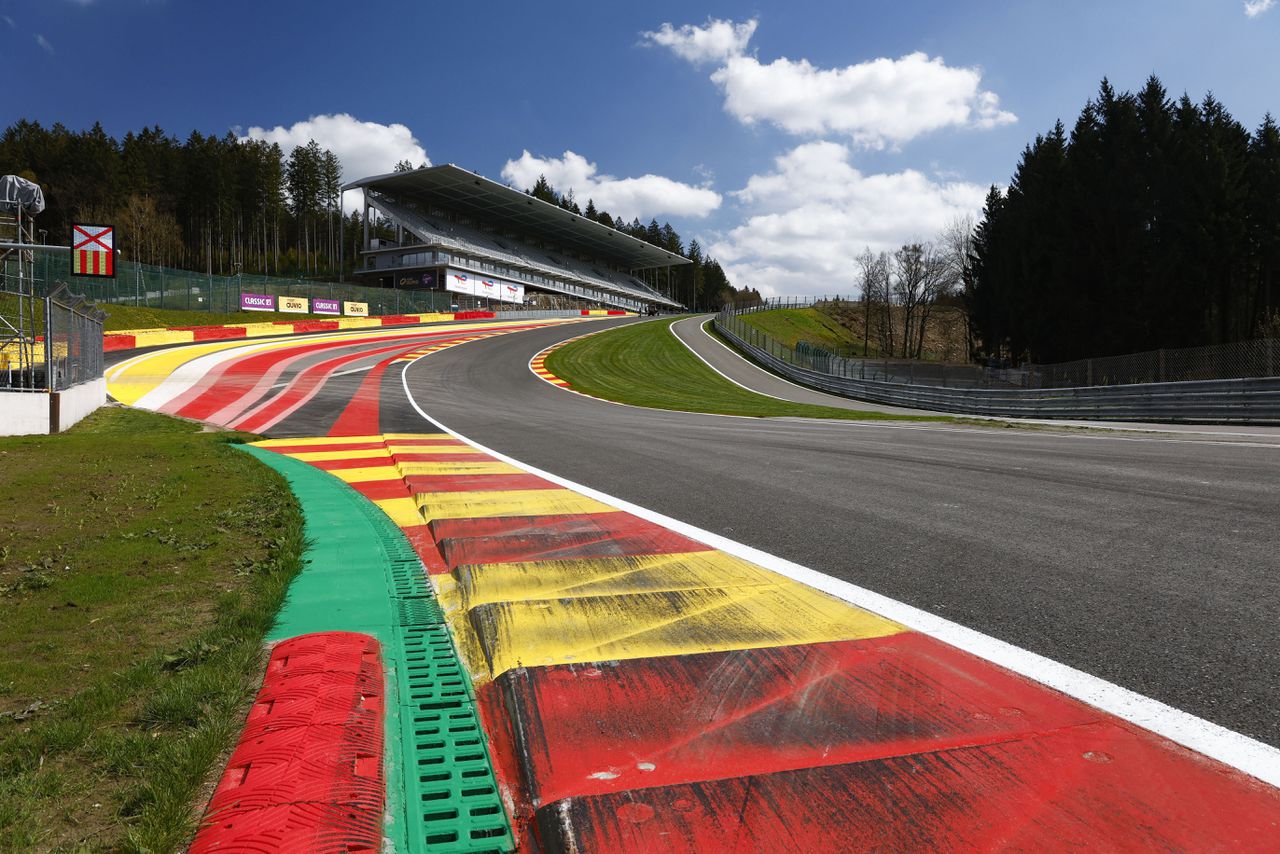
point(460, 232)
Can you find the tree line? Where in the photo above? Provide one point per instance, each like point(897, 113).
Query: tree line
point(1154, 223)
point(902, 290)
point(225, 205)
point(701, 285)
point(216, 204)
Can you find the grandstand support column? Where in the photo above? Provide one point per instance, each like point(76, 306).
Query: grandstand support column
point(365, 197)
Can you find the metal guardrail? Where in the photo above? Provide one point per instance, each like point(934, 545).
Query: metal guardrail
point(1249, 400)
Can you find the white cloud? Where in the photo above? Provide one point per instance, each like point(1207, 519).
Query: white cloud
point(808, 219)
point(644, 197)
point(875, 103)
point(44, 44)
point(1254, 8)
point(716, 41)
point(363, 148)
point(9, 21)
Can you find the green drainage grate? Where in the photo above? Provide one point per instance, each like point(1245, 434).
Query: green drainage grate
point(450, 796)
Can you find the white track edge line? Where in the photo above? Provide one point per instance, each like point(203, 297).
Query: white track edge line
point(1239, 751)
point(1154, 427)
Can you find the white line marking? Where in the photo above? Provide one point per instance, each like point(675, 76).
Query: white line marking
point(1217, 742)
point(698, 356)
point(1130, 427)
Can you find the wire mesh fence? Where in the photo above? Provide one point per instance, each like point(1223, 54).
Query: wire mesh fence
point(152, 286)
point(1241, 360)
point(48, 343)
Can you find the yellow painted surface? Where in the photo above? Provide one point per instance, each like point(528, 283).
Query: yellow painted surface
point(514, 502)
point(434, 449)
point(403, 511)
point(327, 456)
point(417, 436)
point(642, 625)
point(475, 467)
point(564, 579)
point(320, 440)
point(362, 475)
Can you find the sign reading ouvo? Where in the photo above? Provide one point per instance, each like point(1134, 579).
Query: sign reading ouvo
point(293, 305)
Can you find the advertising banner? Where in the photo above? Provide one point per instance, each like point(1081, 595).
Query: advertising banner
point(293, 305)
point(257, 302)
point(460, 283)
point(494, 289)
point(355, 309)
point(326, 306)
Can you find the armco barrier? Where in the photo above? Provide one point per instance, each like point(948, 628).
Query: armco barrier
point(1251, 401)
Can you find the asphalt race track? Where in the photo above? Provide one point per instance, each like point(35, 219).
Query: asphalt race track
point(1147, 560)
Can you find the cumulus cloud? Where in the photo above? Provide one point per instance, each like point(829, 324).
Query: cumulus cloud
point(716, 41)
point(806, 220)
point(875, 103)
point(1254, 8)
point(44, 44)
point(646, 196)
point(363, 148)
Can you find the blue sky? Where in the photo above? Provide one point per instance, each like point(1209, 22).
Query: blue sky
point(785, 136)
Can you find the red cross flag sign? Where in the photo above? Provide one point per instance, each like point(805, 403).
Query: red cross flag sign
point(93, 250)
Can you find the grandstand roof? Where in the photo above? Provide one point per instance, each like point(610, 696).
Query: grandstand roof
point(453, 187)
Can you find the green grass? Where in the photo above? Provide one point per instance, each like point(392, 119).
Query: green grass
point(140, 317)
point(643, 364)
point(141, 563)
point(790, 325)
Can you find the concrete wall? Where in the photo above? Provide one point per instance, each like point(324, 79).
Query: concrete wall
point(30, 413)
point(23, 413)
point(79, 401)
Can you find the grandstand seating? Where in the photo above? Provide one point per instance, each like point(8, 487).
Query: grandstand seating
point(539, 267)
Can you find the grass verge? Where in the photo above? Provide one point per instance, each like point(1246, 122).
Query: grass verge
point(643, 364)
point(141, 563)
point(790, 325)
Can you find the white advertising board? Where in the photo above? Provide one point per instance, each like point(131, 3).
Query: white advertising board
point(483, 286)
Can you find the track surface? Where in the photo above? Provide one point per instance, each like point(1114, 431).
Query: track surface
point(693, 332)
point(1149, 561)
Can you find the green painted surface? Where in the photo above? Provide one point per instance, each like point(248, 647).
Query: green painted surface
point(360, 574)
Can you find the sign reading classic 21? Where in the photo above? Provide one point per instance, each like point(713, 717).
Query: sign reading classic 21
point(93, 251)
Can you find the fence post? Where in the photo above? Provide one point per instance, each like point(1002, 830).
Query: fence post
point(1160, 356)
point(1088, 372)
point(48, 343)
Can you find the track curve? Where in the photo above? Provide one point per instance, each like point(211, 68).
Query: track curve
point(1147, 561)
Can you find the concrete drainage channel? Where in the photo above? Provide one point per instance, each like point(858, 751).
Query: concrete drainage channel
point(363, 578)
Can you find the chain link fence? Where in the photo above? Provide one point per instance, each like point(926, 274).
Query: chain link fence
point(48, 343)
point(152, 286)
point(1241, 360)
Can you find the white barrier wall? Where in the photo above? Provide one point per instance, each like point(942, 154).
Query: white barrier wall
point(23, 413)
point(79, 401)
point(28, 413)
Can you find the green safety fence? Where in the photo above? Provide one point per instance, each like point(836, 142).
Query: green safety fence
point(154, 286)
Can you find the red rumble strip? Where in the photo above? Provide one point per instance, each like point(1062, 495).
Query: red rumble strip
point(307, 774)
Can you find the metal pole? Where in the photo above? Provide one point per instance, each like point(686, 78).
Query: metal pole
point(48, 343)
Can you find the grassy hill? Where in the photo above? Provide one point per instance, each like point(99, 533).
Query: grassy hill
point(839, 327)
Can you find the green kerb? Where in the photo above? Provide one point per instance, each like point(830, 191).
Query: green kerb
point(360, 574)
